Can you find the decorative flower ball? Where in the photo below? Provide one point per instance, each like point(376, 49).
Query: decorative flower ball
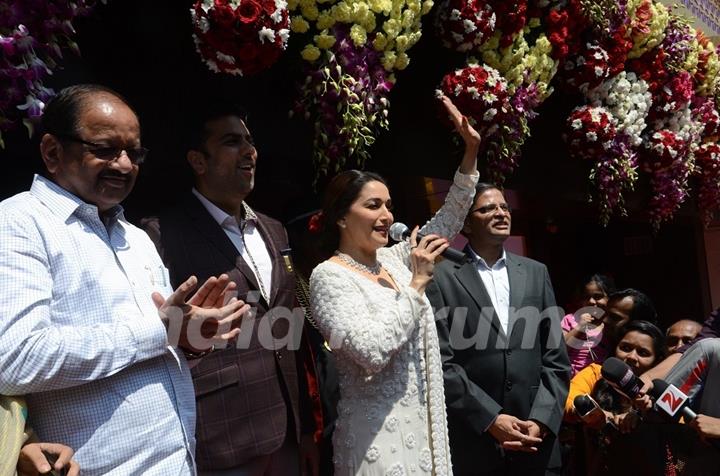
point(481, 93)
point(590, 132)
point(240, 37)
point(663, 149)
point(586, 69)
point(707, 161)
point(462, 25)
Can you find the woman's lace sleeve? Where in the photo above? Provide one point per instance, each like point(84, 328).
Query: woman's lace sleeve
point(449, 219)
point(369, 335)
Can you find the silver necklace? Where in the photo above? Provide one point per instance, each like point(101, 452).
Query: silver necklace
point(347, 259)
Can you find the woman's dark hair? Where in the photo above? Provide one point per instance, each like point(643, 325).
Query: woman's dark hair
point(604, 394)
point(340, 194)
point(62, 113)
point(605, 283)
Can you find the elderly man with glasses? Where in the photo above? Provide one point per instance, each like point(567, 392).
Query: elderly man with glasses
point(504, 359)
point(85, 333)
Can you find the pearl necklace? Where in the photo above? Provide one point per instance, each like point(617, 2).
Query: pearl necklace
point(347, 259)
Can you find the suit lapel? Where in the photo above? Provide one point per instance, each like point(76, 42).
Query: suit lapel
point(215, 235)
point(517, 275)
point(470, 279)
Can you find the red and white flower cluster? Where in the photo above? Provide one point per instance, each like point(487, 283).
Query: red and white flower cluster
point(587, 69)
point(707, 169)
point(240, 37)
point(591, 132)
point(463, 25)
point(481, 93)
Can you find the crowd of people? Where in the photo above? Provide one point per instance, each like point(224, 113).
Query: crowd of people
point(192, 345)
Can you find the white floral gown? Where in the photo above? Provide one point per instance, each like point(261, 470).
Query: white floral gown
point(391, 413)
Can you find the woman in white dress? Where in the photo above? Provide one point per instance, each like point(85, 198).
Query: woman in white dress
point(369, 303)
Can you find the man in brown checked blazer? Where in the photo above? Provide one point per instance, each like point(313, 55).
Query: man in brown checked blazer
point(254, 414)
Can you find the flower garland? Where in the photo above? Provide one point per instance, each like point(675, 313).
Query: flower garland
point(32, 36)
point(707, 162)
point(240, 37)
point(348, 96)
point(356, 46)
point(463, 25)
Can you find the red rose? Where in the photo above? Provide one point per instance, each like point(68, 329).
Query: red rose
point(223, 15)
point(248, 11)
point(268, 6)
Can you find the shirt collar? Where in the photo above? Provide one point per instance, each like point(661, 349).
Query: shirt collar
point(65, 204)
point(219, 215)
point(479, 259)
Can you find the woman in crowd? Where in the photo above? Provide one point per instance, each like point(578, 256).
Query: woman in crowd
point(609, 448)
point(583, 330)
point(369, 302)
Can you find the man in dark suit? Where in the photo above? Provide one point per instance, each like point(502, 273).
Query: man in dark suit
point(254, 413)
point(505, 364)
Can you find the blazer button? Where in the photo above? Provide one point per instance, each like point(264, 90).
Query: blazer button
point(278, 355)
point(508, 352)
point(508, 385)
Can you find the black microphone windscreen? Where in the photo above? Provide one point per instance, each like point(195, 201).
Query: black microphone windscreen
point(620, 375)
point(583, 404)
point(659, 386)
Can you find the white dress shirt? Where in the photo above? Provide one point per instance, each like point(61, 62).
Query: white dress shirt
point(81, 337)
point(497, 285)
point(247, 240)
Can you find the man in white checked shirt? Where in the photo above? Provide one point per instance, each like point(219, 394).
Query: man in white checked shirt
point(80, 332)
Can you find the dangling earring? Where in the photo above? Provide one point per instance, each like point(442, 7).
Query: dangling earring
point(342, 224)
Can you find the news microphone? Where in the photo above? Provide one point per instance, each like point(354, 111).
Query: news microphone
point(587, 408)
point(671, 400)
point(621, 377)
point(400, 232)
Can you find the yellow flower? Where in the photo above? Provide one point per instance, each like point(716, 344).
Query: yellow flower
point(392, 28)
point(324, 21)
point(341, 12)
point(358, 35)
point(310, 12)
point(359, 11)
point(379, 42)
point(534, 22)
point(369, 22)
point(402, 61)
point(298, 24)
point(427, 6)
point(414, 6)
point(388, 60)
point(293, 4)
point(381, 6)
point(310, 53)
point(402, 43)
point(643, 42)
point(408, 19)
point(306, 3)
point(324, 41)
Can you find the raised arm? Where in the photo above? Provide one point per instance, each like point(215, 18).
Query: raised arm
point(369, 337)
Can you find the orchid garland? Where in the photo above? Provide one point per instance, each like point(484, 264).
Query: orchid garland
point(356, 46)
point(33, 34)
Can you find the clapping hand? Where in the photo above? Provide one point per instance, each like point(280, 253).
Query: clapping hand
point(206, 319)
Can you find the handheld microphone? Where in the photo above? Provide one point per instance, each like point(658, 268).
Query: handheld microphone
point(621, 377)
point(671, 400)
point(400, 232)
point(588, 410)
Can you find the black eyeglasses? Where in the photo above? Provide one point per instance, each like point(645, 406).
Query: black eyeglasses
point(492, 208)
point(136, 155)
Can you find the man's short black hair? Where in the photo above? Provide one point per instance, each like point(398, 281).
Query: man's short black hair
point(62, 113)
point(195, 125)
point(643, 307)
point(482, 187)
